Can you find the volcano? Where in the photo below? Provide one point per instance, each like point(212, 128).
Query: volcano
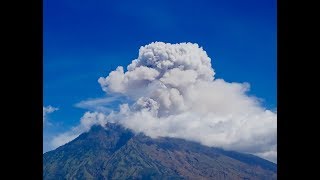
point(114, 152)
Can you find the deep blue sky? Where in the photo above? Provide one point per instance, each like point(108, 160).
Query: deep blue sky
point(84, 40)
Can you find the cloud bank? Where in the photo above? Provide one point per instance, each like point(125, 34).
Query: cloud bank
point(47, 110)
point(175, 94)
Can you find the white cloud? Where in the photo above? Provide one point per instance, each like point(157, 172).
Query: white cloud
point(88, 119)
point(47, 110)
point(175, 94)
point(270, 155)
point(64, 138)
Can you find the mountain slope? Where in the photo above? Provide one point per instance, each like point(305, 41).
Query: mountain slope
point(116, 153)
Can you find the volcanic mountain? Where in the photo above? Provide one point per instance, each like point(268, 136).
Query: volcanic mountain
point(114, 152)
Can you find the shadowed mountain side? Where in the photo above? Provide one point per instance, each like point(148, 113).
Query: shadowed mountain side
point(117, 153)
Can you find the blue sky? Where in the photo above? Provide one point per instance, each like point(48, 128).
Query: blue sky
point(85, 40)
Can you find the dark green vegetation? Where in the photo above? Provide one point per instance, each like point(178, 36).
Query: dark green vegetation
point(117, 153)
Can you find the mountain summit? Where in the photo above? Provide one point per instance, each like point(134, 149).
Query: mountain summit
point(115, 152)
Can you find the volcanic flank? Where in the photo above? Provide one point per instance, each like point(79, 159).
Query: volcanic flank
point(115, 152)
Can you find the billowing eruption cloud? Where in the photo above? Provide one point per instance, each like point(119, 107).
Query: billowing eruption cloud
point(175, 94)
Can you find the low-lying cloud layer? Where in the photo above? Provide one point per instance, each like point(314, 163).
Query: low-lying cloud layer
point(88, 119)
point(175, 94)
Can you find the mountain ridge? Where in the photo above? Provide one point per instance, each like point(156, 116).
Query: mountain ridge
point(115, 152)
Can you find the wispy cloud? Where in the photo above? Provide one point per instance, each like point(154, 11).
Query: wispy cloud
point(47, 110)
point(97, 104)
